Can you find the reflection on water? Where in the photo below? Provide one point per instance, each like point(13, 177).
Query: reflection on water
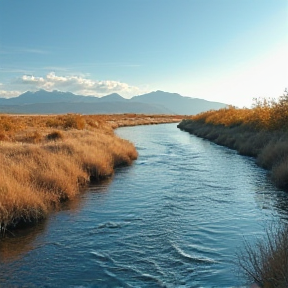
point(175, 218)
point(20, 241)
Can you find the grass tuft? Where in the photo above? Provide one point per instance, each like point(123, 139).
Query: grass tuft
point(55, 135)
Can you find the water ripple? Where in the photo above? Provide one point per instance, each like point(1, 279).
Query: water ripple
point(175, 218)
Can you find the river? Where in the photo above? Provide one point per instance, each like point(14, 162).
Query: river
point(175, 218)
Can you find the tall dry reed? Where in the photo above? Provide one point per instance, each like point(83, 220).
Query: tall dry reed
point(266, 262)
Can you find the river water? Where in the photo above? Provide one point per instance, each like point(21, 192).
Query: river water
point(175, 218)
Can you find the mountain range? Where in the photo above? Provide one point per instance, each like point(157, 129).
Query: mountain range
point(56, 102)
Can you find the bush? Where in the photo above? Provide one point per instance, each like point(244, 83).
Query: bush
point(266, 263)
point(55, 135)
point(74, 121)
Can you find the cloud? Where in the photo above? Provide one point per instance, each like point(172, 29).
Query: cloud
point(75, 84)
point(9, 94)
point(31, 79)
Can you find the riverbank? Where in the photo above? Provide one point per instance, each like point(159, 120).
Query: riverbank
point(270, 148)
point(261, 132)
point(45, 160)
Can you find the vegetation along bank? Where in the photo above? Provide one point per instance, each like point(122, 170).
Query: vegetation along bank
point(261, 132)
point(45, 160)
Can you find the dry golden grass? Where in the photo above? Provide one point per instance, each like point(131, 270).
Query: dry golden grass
point(266, 114)
point(45, 160)
point(261, 132)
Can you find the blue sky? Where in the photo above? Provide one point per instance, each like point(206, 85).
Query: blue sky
point(221, 50)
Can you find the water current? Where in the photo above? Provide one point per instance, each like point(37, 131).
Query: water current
point(176, 218)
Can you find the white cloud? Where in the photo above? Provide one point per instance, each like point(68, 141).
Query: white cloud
point(9, 94)
point(75, 84)
point(32, 79)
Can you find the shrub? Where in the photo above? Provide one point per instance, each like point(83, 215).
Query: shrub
point(266, 263)
point(273, 154)
point(279, 174)
point(55, 135)
point(53, 122)
point(74, 121)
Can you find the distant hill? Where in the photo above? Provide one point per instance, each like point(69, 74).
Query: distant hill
point(178, 104)
point(41, 96)
point(57, 102)
point(113, 98)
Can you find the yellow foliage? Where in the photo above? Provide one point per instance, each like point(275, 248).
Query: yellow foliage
point(265, 115)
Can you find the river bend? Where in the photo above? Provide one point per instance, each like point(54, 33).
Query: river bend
point(175, 218)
